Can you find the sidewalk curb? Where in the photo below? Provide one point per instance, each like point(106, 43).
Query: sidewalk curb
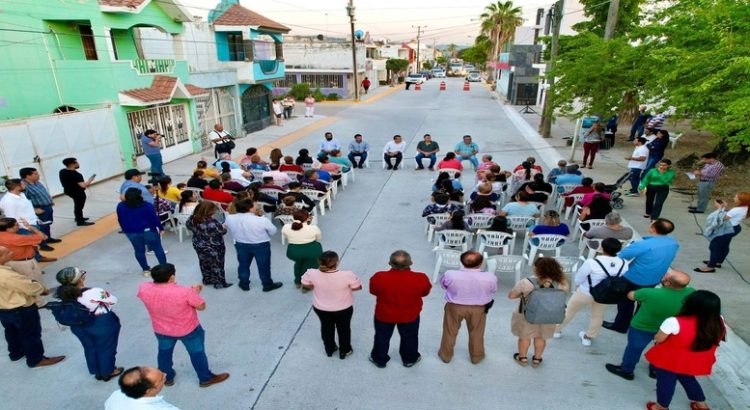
point(731, 373)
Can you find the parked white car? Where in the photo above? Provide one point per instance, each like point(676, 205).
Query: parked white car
point(474, 77)
point(438, 73)
point(414, 78)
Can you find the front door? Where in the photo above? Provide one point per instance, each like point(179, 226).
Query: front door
point(256, 108)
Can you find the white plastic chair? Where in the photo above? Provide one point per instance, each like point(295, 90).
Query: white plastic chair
point(402, 165)
point(495, 240)
point(440, 219)
point(545, 242)
point(450, 171)
point(273, 193)
point(198, 191)
point(453, 238)
point(293, 175)
point(520, 223)
point(593, 223)
point(257, 174)
point(316, 195)
point(181, 220)
point(674, 138)
point(575, 209)
point(506, 264)
point(561, 203)
point(478, 221)
point(285, 220)
point(569, 265)
point(445, 258)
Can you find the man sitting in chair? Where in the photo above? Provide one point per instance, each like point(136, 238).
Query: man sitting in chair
point(467, 150)
point(394, 149)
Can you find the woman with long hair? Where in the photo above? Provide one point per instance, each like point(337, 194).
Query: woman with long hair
point(208, 242)
point(656, 183)
point(482, 205)
point(526, 173)
point(304, 246)
point(99, 338)
point(597, 209)
point(547, 274)
point(719, 246)
point(303, 157)
point(500, 224)
point(455, 223)
point(276, 156)
point(140, 224)
point(167, 191)
point(188, 202)
point(333, 302)
point(685, 347)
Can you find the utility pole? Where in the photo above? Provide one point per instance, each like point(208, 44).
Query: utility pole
point(350, 12)
point(609, 29)
point(545, 127)
point(419, 33)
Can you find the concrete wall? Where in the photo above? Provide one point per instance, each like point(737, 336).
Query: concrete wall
point(328, 54)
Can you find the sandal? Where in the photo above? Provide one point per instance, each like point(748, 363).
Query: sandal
point(652, 406)
point(535, 362)
point(694, 406)
point(522, 361)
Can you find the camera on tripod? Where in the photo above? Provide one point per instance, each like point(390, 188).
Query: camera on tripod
point(154, 177)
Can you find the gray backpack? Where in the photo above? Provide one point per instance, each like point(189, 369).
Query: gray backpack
point(544, 305)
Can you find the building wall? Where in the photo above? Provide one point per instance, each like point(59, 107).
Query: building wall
point(330, 54)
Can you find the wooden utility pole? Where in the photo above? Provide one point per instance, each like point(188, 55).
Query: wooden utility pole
point(419, 34)
point(350, 12)
point(609, 29)
point(545, 127)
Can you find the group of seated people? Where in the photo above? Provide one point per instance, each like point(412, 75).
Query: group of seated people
point(533, 192)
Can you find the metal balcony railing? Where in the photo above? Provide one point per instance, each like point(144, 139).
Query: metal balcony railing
point(268, 66)
point(161, 66)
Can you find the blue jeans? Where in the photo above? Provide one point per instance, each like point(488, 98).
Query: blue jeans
point(666, 382)
point(23, 332)
point(705, 188)
point(637, 342)
point(636, 131)
point(99, 342)
point(194, 343)
point(420, 156)
point(719, 247)
point(145, 239)
point(156, 163)
point(473, 159)
point(46, 215)
point(262, 254)
point(635, 179)
point(409, 348)
point(362, 158)
point(651, 162)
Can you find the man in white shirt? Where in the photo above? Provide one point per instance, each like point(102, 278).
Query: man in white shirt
point(279, 178)
point(394, 149)
point(222, 140)
point(637, 164)
point(329, 144)
point(139, 389)
point(14, 204)
point(252, 237)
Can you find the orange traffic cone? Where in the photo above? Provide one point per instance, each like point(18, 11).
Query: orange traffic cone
point(442, 86)
point(466, 86)
point(417, 87)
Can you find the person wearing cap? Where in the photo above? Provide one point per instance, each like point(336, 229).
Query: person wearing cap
point(151, 143)
point(99, 339)
point(23, 248)
point(75, 187)
point(133, 179)
point(139, 389)
point(139, 222)
point(173, 310)
point(19, 315)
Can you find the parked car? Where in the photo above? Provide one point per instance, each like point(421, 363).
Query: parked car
point(438, 73)
point(474, 77)
point(414, 78)
point(427, 74)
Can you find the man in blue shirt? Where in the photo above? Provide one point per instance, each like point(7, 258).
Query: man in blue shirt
point(329, 144)
point(39, 196)
point(639, 124)
point(151, 142)
point(133, 178)
point(358, 148)
point(650, 258)
point(571, 177)
point(467, 150)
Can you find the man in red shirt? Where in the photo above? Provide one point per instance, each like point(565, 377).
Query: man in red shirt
point(399, 292)
point(214, 192)
point(173, 310)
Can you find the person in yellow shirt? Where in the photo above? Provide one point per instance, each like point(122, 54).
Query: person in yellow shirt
point(208, 172)
point(168, 191)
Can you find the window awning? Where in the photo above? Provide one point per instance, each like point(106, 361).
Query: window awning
point(162, 90)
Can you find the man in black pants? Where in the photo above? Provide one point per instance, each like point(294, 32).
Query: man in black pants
point(74, 186)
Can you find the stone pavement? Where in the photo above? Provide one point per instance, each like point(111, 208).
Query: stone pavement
point(270, 342)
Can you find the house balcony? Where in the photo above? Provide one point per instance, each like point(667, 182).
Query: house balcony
point(255, 72)
point(147, 67)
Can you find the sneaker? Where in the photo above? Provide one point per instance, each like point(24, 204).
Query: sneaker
point(584, 339)
point(273, 286)
point(378, 365)
point(152, 252)
point(147, 273)
point(557, 335)
point(46, 248)
point(53, 240)
point(419, 358)
point(244, 286)
point(218, 378)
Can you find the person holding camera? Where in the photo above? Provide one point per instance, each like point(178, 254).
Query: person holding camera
point(222, 140)
point(151, 143)
point(721, 226)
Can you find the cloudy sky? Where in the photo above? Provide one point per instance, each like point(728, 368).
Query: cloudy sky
point(446, 21)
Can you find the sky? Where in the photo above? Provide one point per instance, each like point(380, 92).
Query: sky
point(442, 21)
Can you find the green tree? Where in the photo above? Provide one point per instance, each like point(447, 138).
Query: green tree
point(395, 66)
point(499, 23)
point(427, 65)
point(441, 60)
point(477, 54)
point(451, 49)
point(628, 18)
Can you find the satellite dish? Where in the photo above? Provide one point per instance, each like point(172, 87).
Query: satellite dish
point(358, 34)
point(320, 37)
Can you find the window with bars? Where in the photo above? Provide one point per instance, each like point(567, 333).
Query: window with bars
point(236, 47)
point(288, 81)
point(324, 80)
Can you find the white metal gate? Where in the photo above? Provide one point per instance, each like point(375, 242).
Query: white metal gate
point(43, 142)
point(218, 107)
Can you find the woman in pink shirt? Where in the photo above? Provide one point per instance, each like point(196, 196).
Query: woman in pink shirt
point(332, 302)
point(598, 191)
point(450, 162)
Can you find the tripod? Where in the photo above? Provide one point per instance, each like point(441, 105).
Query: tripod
point(527, 110)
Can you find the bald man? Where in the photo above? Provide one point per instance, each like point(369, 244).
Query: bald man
point(139, 389)
point(656, 304)
point(468, 296)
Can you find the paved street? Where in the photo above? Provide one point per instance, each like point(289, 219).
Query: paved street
point(270, 342)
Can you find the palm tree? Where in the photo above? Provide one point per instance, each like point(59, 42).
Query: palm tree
point(451, 49)
point(499, 23)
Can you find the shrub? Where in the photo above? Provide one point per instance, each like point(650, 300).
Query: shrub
point(318, 95)
point(300, 91)
point(332, 97)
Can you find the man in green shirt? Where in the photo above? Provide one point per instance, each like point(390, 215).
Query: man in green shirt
point(427, 148)
point(656, 304)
